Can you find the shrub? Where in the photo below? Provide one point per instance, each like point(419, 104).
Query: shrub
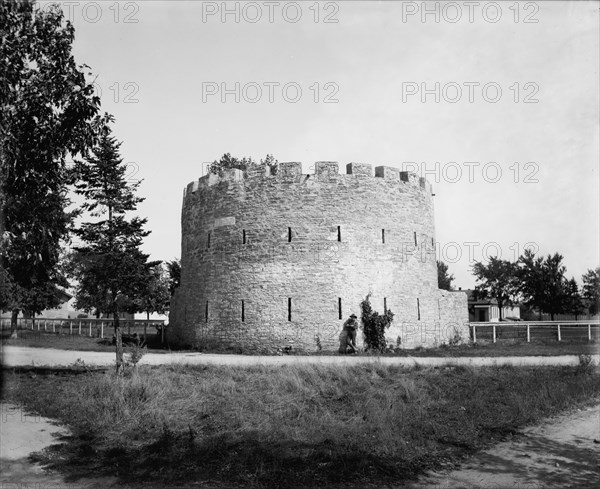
point(374, 325)
point(586, 364)
point(136, 353)
point(456, 338)
point(318, 341)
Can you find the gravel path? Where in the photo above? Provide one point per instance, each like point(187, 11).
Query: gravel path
point(23, 433)
point(563, 452)
point(15, 356)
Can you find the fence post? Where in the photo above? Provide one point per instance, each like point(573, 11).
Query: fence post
point(558, 326)
point(54, 327)
point(494, 333)
point(70, 328)
point(102, 330)
point(80, 327)
point(528, 334)
point(90, 323)
point(589, 332)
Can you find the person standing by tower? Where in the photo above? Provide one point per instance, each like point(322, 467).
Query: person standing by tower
point(350, 327)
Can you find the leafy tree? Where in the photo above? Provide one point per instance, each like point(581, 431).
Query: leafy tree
point(497, 280)
point(374, 325)
point(90, 295)
point(573, 300)
point(591, 290)
point(111, 267)
point(230, 162)
point(543, 283)
point(155, 297)
point(29, 300)
point(47, 112)
point(444, 279)
point(174, 272)
point(271, 162)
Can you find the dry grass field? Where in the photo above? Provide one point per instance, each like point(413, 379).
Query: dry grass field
point(292, 426)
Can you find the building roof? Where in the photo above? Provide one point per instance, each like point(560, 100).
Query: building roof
point(474, 299)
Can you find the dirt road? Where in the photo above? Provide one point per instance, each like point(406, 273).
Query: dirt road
point(560, 453)
point(23, 433)
point(14, 356)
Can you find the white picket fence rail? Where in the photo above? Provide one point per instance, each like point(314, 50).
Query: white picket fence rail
point(84, 326)
point(560, 330)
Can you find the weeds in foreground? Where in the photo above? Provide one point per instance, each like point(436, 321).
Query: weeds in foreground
point(290, 426)
point(586, 364)
point(135, 353)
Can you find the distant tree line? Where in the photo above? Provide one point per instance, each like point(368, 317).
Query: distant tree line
point(538, 283)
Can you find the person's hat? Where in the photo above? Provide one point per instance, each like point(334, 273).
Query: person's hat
point(353, 316)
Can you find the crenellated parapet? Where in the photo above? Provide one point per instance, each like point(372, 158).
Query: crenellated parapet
point(324, 171)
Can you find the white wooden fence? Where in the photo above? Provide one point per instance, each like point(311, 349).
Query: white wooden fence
point(91, 327)
point(536, 330)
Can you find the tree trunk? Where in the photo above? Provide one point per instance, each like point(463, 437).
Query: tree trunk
point(119, 343)
point(13, 324)
point(551, 316)
point(500, 304)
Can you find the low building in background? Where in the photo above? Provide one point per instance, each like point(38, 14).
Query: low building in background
point(485, 310)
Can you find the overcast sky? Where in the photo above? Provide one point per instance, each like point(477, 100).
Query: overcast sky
point(511, 145)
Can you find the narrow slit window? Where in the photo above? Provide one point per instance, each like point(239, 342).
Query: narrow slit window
point(289, 235)
point(418, 310)
point(243, 311)
point(432, 242)
point(385, 304)
point(339, 233)
point(339, 307)
point(208, 241)
point(243, 236)
point(383, 236)
point(415, 235)
point(289, 308)
point(206, 312)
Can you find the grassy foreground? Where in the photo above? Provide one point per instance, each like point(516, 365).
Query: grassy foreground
point(292, 426)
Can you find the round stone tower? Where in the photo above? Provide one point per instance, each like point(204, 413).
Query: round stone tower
point(270, 261)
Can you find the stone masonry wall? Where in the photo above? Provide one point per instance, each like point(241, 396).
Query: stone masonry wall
point(275, 260)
